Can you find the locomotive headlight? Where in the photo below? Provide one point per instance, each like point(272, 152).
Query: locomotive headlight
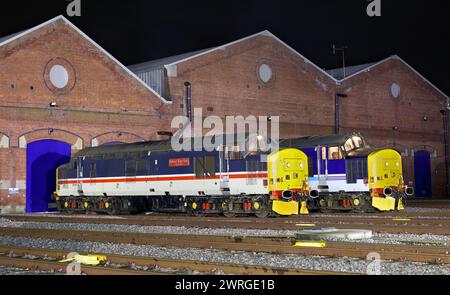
point(301, 165)
point(397, 164)
point(387, 164)
point(289, 165)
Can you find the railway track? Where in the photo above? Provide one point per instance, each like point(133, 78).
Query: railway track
point(126, 265)
point(276, 245)
point(388, 224)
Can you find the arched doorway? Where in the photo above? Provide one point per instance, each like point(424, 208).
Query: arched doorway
point(43, 157)
point(422, 174)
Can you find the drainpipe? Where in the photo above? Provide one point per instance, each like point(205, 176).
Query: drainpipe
point(337, 110)
point(445, 122)
point(188, 91)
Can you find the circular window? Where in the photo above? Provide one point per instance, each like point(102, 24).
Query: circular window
point(395, 90)
point(265, 73)
point(59, 76)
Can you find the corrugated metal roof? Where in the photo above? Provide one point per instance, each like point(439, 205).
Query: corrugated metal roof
point(153, 72)
point(160, 63)
point(339, 73)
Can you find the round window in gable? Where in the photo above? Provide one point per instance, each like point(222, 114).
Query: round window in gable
point(59, 76)
point(395, 90)
point(265, 73)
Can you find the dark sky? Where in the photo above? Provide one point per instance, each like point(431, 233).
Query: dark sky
point(136, 30)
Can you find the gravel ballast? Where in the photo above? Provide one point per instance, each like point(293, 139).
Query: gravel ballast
point(245, 258)
point(424, 239)
point(14, 271)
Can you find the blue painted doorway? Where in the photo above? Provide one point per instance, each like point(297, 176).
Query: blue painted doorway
point(43, 157)
point(422, 174)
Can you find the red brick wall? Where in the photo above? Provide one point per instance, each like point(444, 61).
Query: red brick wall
point(371, 109)
point(105, 99)
point(227, 81)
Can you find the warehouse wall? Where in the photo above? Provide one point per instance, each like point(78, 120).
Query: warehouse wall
point(100, 104)
point(225, 82)
point(412, 121)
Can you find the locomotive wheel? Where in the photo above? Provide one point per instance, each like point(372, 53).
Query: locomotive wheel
point(229, 214)
point(113, 212)
point(198, 213)
point(262, 214)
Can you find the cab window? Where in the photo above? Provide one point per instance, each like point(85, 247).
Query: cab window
point(334, 153)
point(349, 146)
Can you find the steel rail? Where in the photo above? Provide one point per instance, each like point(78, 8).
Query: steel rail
point(276, 245)
point(419, 226)
point(205, 267)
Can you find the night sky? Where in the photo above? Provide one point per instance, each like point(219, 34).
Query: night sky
point(136, 30)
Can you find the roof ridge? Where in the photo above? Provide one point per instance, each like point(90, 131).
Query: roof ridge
point(61, 17)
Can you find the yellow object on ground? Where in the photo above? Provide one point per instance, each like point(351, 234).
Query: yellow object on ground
point(304, 209)
point(87, 259)
point(311, 244)
point(401, 219)
point(285, 208)
point(400, 205)
point(306, 224)
point(383, 204)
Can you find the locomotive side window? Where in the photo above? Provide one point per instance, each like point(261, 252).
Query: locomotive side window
point(349, 145)
point(334, 153)
point(357, 141)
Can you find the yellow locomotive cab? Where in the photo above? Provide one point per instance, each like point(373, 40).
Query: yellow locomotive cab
point(287, 173)
point(384, 175)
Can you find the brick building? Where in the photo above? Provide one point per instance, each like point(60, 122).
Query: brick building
point(60, 92)
point(388, 102)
